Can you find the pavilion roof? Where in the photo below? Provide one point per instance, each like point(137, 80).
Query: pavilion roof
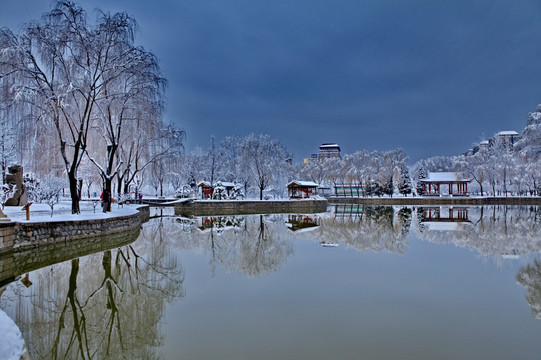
point(445, 177)
point(303, 183)
point(507, 133)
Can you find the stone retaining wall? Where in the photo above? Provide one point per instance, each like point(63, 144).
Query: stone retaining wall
point(439, 201)
point(19, 236)
point(7, 236)
point(28, 246)
point(241, 207)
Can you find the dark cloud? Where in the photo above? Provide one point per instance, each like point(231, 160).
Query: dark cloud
point(428, 76)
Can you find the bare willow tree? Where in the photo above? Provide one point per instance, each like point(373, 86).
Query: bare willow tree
point(82, 77)
point(265, 158)
point(133, 95)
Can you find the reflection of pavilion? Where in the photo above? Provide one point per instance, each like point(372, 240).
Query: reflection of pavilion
point(444, 217)
point(299, 223)
point(218, 222)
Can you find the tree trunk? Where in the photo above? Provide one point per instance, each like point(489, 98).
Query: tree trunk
point(74, 192)
point(107, 195)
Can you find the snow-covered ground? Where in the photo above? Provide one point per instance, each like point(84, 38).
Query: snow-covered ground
point(11, 341)
point(62, 212)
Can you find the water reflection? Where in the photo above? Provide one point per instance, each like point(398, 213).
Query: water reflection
point(106, 305)
point(368, 228)
point(238, 241)
point(253, 245)
point(111, 304)
point(498, 231)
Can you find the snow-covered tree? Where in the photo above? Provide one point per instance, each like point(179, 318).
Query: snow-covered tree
point(405, 187)
point(265, 158)
point(49, 191)
point(89, 83)
point(6, 192)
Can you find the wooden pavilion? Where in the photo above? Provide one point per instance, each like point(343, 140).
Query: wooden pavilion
point(456, 182)
point(207, 190)
point(301, 189)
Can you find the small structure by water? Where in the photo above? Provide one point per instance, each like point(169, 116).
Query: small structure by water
point(207, 189)
point(301, 189)
point(348, 190)
point(458, 184)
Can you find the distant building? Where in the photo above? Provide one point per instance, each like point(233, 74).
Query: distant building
point(506, 138)
point(329, 151)
point(484, 144)
point(311, 158)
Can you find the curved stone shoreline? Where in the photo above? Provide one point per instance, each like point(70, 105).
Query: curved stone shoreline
point(28, 246)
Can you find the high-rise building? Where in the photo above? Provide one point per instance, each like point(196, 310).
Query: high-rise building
point(329, 151)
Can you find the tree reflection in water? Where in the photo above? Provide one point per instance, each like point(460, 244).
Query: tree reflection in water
point(368, 228)
point(109, 305)
point(80, 310)
point(530, 277)
point(497, 231)
point(251, 245)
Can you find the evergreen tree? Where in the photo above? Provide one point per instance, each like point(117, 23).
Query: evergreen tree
point(421, 175)
point(388, 187)
point(405, 187)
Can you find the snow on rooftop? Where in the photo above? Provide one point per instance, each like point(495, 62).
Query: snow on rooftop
point(303, 183)
point(445, 176)
point(328, 145)
point(507, 133)
point(224, 183)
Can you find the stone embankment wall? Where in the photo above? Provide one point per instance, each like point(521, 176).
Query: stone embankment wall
point(7, 236)
point(439, 201)
point(30, 235)
point(228, 207)
point(28, 246)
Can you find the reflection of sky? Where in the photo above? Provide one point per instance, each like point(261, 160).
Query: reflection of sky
point(436, 301)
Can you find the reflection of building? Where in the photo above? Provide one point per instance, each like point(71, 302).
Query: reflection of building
point(219, 223)
point(444, 217)
point(348, 210)
point(301, 189)
point(298, 223)
point(329, 151)
point(457, 184)
point(445, 213)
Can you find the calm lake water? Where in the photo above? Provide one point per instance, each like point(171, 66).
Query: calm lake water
point(353, 283)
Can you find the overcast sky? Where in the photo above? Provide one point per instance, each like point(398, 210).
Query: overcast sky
point(431, 77)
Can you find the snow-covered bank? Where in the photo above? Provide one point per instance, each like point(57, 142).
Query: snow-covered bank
point(11, 341)
point(62, 212)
